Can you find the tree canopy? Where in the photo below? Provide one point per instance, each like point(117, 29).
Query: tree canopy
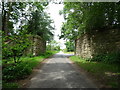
point(19, 21)
point(82, 17)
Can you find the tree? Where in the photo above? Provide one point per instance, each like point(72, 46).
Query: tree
point(70, 46)
point(41, 25)
point(17, 20)
point(12, 12)
point(53, 45)
point(85, 17)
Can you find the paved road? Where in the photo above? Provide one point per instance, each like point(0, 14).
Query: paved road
point(58, 72)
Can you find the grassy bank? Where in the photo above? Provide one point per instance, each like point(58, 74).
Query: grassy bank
point(105, 74)
point(14, 72)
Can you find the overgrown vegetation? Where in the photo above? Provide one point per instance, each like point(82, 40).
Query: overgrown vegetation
point(86, 17)
point(13, 46)
point(107, 58)
point(20, 22)
point(17, 71)
point(10, 85)
point(53, 45)
point(106, 74)
point(70, 46)
point(82, 17)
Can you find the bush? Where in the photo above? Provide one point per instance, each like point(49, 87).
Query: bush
point(107, 73)
point(16, 71)
point(10, 85)
point(107, 58)
point(13, 72)
point(48, 53)
point(14, 46)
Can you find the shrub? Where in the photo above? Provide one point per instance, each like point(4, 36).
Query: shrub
point(107, 58)
point(16, 71)
point(14, 46)
point(10, 85)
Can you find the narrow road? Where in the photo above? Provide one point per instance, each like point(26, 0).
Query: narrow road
point(58, 72)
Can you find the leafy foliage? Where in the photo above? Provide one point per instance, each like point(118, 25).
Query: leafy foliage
point(19, 21)
point(84, 17)
point(14, 46)
point(53, 45)
point(40, 23)
point(70, 46)
point(107, 58)
point(10, 85)
point(106, 74)
point(16, 71)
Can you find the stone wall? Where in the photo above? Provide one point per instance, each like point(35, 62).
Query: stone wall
point(97, 42)
point(37, 47)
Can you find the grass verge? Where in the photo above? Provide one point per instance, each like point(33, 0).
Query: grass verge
point(14, 72)
point(105, 74)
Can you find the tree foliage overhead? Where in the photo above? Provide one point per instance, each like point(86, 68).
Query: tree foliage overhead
point(84, 17)
point(53, 45)
point(41, 25)
point(19, 21)
point(70, 46)
point(12, 14)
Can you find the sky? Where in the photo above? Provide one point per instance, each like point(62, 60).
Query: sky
point(53, 9)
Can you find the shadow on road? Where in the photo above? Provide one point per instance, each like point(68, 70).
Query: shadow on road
point(58, 72)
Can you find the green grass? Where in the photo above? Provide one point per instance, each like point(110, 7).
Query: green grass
point(100, 70)
point(21, 70)
point(10, 85)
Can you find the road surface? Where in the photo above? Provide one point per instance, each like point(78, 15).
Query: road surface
point(58, 72)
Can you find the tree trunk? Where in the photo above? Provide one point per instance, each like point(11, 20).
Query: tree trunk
point(5, 18)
